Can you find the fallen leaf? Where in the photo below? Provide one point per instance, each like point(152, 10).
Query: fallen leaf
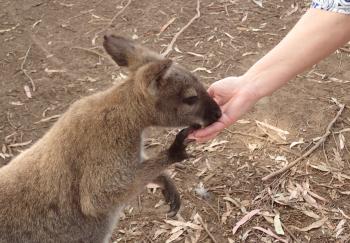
point(253, 146)
point(16, 103)
point(201, 69)
point(176, 229)
point(293, 10)
point(321, 167)
point(242, 121)
point(50, 71)
point(310, 214)
point(227, 213)
point(164, 27)
point(183, 224)
point(344, 176)
point(158, 233)
point(269, 232)
point(259, 3)
point(341, 141)
point(281, 158)
point(245, 16)
point(249, 53)
point(20, 144)
point(236, 203)
point(272, 131)
point(340, 228)
point(197, 55)
point(338, 158)
point(174, 236)
point(47, 119)
point(293, 144)
point(278, 224)
point(243, 220)
point(176, 48)
point(8, 30)
point(312, 226)
point(27, 91)
point(193, 237)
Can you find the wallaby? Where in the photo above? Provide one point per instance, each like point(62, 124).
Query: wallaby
point(71, 185)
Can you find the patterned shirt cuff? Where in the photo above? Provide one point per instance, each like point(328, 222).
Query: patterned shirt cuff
point(338, 6)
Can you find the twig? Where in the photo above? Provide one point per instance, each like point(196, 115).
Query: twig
point(210, 206)
point(246, 134)
point(10, 122)
point(88, 50)
point(110, 22)
point(345, 50)
point(8, 30)
point(290, 233)
point(264, 139)
point(312, 149)
point(139, 203)
point(170, 46)
point(208, 232)
point(25, 71)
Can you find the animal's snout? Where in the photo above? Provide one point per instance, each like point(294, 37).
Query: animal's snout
point(212, 112)
point(217, 114)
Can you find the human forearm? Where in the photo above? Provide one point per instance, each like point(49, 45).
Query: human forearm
point(317, 34)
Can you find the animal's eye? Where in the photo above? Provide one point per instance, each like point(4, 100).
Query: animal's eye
point(190, 100)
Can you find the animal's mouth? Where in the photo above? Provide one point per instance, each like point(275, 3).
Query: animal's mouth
point(196, 126)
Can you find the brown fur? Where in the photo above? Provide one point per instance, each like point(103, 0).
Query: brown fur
point(71, 184)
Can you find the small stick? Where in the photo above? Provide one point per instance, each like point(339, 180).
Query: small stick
point(25, 71)
point(345, 50)
point(88, 50)
point(210, 206)
point(262, 138)
point(139, 203)
point(110, 22)
point(290, 233)
point(312, 149)
point(208, 232)
point(170, 46)
point(245, 134)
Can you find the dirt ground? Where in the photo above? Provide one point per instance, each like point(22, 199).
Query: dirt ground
point(51, 55)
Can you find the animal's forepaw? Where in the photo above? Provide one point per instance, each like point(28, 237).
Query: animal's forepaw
point(177, 151)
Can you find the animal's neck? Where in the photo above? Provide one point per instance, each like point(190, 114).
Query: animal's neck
point(129, 113)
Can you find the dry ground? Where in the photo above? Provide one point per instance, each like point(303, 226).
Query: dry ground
point(51, 55)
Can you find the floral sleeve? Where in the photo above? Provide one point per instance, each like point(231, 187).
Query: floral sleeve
point(339, 6)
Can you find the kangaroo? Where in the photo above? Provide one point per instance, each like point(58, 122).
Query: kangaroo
point(71, 185)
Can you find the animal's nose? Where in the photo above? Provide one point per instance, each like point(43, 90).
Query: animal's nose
point(217, 114)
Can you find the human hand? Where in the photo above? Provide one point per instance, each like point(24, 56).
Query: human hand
point(235, 96)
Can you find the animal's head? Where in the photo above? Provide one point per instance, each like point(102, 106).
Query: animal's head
point(177, 96)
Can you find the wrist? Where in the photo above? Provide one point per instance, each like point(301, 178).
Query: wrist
point(253, 85)
point(264, 81)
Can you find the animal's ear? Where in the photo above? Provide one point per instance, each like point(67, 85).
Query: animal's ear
point(151, 76)
point(127, 53)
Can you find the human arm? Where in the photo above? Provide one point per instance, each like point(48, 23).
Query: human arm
point(316, 35)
